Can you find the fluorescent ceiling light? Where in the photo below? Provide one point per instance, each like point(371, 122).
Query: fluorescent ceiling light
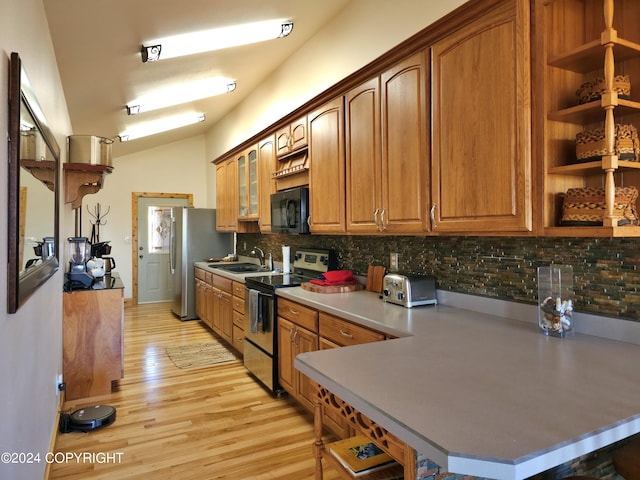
point(181, 93)
point(159, 126)
point(215, 39)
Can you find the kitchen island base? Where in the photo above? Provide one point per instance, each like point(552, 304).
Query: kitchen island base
point(411, 466)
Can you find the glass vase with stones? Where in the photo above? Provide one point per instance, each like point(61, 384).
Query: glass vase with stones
point(555, 300)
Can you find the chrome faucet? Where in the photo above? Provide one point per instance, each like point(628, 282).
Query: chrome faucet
point(257, 252)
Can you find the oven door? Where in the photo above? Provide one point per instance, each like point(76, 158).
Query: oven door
point(260, 321)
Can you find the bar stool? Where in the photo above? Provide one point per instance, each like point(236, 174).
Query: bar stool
point(626, 461)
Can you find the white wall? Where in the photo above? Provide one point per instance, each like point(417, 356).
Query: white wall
point(175, 168)
point(31, 339)
point(358, 35)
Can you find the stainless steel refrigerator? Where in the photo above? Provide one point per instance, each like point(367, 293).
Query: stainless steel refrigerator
point(193, 239)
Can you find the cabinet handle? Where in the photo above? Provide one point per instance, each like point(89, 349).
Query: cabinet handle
point(375, 218)
point(432, 213)
point(384, 227)
point(293, 312)
point(345, 334)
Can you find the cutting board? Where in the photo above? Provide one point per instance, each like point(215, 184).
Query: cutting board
point(375, 275)
point(312, 287)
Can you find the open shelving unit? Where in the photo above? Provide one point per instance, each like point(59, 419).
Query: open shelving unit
point(578, 41)
point(396, 448)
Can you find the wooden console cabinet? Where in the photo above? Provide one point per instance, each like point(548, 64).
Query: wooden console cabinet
point(93, 322)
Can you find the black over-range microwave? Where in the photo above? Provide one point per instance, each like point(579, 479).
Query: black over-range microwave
point(290, 211)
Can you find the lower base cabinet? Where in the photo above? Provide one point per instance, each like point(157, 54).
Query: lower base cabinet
point(302, 329)
point(220, 306)
point(297, 333)
point(237, 334)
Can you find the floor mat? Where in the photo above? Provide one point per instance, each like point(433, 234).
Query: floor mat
point(200, 354)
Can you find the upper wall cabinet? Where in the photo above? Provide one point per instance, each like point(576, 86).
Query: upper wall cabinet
point(481, 144)
point(387, 159)
point(291, 137)
point(226, 196)
point(248, 184)
point(266, 182)
point(327, 171)
point(591, 47)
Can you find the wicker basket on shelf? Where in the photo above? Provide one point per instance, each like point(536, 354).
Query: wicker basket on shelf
point(587, 207)
point(591, 145)
point(593, 89)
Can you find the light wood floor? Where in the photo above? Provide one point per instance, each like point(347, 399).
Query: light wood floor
point(202, 423)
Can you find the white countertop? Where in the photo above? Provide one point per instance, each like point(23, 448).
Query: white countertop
point(479, 394)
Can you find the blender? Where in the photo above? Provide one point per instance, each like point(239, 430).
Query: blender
point(79, 251)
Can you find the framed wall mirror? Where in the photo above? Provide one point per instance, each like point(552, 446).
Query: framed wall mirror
point(34, 161)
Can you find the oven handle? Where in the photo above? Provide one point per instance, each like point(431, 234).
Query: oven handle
point(259, 312)
point(266, 316)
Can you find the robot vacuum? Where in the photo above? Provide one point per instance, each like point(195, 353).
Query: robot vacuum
point(87, 419)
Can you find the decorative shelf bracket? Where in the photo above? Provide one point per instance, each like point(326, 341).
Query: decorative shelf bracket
point(82, 179)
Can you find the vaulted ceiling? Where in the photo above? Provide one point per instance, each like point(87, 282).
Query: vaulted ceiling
point(97, 46)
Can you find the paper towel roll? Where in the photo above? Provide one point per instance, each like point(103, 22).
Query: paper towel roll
point(286, 259)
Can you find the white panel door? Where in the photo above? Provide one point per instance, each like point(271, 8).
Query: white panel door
point(154, 279)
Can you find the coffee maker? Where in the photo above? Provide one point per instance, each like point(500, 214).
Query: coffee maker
point(79, 254)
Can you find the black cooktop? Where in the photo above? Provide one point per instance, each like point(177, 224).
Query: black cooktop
point(278, 281)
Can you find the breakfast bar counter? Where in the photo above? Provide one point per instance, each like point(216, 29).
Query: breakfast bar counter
point(476, 393)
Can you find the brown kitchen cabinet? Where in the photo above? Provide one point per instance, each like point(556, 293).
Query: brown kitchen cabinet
point(203, 295)
point(304, 329)
point(335, 332)
point(292, 341)
point(297, 333)
point(481, 127)
point(387, 159)
point(266, 182)
point(345, 333)
point(291, 137)
point(327, 197)
point(221, 307)
point(93, 341)
point(247, 167)
point(226, 196)
point(575, 42)
point(237, 336)
point(217, 306)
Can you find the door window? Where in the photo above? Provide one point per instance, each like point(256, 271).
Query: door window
point(159, 227)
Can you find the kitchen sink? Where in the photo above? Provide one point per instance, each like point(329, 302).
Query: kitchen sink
point(240, 267)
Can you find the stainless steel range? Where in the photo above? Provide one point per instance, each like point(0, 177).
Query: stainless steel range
point(261, 342)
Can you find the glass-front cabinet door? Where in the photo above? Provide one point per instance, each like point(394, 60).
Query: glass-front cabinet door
point(242, 185)
point(248, 183)
point(252, 158)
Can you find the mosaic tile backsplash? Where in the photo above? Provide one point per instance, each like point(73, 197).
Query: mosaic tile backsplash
point(606, 271)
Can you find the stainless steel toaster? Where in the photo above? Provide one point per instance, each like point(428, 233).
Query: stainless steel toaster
point(409, 290)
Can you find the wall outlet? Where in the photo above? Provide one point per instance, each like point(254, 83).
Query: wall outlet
point(58, 383)
point(394, 262)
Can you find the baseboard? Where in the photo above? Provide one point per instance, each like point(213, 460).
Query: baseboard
point(54, 433)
